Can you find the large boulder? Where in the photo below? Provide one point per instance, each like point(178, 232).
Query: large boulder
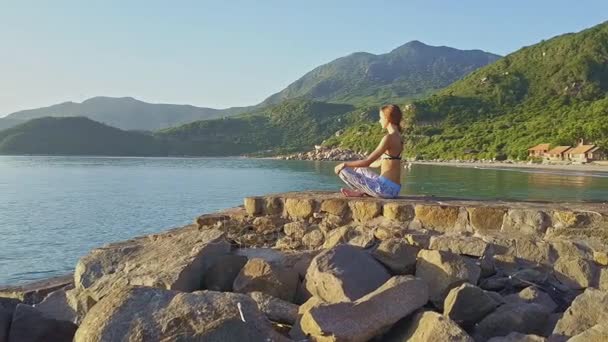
point(444, 271)
point(352, 235)
point(576, 273)
point(397, 255)
point(597, 333)
point(220, 276)
point(7, 308)
point(152, 314)
point(587, 310)
point(524, 318)
point(344, 273)
point(368, 316)
point(275, 309)
point(428, 326)
point(174, 260)
point(272, 279)
point(468, 304)
point(31, 325)
point(56, 306)
point(440, 218)
point(518, 337)
point(460, 244)
point(532, 294)
point(526, 221)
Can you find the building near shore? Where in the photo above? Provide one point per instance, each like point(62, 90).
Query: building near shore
point(582, 153)
point(558, 153)
point(539, 150)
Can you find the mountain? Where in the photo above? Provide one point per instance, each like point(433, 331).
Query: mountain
point(76, 136)
point(292, 125)
point(412, 70)
point(124, 113)
point(553, 92)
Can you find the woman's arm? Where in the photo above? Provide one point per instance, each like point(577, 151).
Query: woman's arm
point(382, 146)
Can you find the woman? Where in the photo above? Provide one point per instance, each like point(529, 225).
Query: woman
point(362, 180)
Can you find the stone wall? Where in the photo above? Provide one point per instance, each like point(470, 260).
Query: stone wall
point(315, 266)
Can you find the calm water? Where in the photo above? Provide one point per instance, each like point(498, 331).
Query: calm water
point(54, 209)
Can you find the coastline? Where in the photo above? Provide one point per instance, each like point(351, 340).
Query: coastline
point(498, 165)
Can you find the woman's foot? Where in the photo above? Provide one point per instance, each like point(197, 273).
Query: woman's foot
point(352, 193)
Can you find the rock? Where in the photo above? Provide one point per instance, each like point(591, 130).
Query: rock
point(428, 326)
point(444, 271)
point(532, 294)
point(274, 280)
point(161, 315)
point(273, 206)
point(56, 306)
point(365, 210)
point(603, 279)
point(587, 310)
point(512, 317)
point(533, 251)
point(34, 292)
point(440, 218)
point(517, 337)
point(344, 273)
point(486, 219)
point(268, 224)
point(505, 263)
point(173, 260)
point(468, 304)
point(313, 239)
point(220, 276)
point(7, 308)
point(419, 239)
point(600, 258)
point(575, 273)
point(334, 206)
point(397, 256)
point(459, 244)
point(398, 212)
point(526, 221)
point(369, 315)
point(299, 208)
point(355, 236)
point(30, 325)
point(389, 232)
point(569, 250)
point(296, 229)
point(254, 205)
point(597, 333)
point(275, 309)
point(288, 243)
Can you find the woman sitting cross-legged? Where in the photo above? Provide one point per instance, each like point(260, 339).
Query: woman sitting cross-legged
point(357, 175)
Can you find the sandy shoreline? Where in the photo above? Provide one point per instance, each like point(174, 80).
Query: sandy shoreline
point(587, 167)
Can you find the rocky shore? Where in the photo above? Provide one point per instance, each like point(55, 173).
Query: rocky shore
point(325, 154)
point(314, 266)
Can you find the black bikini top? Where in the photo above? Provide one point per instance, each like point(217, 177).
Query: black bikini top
point(389, 157)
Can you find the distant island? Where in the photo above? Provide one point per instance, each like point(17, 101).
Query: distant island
point(459, 105)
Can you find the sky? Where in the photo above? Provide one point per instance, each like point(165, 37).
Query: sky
point(234, 53)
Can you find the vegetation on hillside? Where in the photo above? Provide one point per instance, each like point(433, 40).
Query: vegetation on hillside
point(555, 92)
point(76, 136)
point(409, 71)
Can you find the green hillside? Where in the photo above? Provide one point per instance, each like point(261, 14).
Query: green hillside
point(76, 136)
point(555, 91)
point(290, 126)
point(409, 71)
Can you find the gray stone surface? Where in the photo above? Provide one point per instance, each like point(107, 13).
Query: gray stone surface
point(524, 318)
point(587, 310)
point(152, 314)
point(444, 271)
point(269, 278)
point(30, 325)
point(427, 326)
point(368, 316)
point(344, 273)
point(397, 255)
point(468, 304)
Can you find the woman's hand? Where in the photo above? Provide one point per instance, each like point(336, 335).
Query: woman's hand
point(339, 168)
